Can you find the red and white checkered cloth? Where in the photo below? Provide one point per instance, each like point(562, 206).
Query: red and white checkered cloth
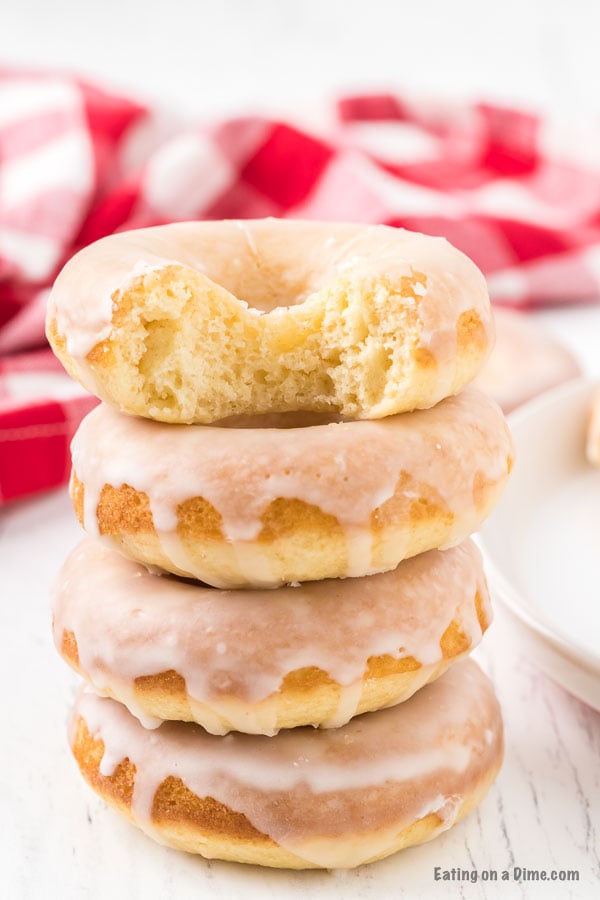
point(518, 194)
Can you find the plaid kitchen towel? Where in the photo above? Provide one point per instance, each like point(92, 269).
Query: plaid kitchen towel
point(517, 193)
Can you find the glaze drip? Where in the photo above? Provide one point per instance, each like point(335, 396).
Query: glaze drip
point(347, 470)
point(303, 787)
point(129, 623)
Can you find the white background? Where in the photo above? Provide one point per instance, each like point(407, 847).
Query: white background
point(207, 56)
point(206, 59)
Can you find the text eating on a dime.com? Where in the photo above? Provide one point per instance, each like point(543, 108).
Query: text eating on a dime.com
point(516, 873)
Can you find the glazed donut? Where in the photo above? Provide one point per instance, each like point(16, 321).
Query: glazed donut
point(261, 507)
point(198, 321)
point(316, 654)
point(306, 798)
point(592, 447)
point(526, 361)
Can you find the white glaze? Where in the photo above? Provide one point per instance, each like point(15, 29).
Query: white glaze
point(87, 322)
point(231, 646)
point(301, 786)
point(346, 469)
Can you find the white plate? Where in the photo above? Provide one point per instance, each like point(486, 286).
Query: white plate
point(543, 542)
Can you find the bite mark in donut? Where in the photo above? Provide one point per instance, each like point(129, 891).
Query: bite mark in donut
point(193, 322)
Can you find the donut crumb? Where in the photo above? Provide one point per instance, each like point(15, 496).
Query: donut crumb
point(184, 349)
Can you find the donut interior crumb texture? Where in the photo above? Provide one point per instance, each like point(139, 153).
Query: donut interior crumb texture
point(184, 349)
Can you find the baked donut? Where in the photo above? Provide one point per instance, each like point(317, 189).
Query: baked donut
point(198, 321)
point(526, 361)
point(261, 507)
point(316, 654)
point(306, 798)
point(592, 447)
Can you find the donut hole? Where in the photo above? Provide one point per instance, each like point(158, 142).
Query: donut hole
point(261, 268)
point(280, 420)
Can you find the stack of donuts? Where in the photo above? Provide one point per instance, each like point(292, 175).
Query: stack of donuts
point(273, 605)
